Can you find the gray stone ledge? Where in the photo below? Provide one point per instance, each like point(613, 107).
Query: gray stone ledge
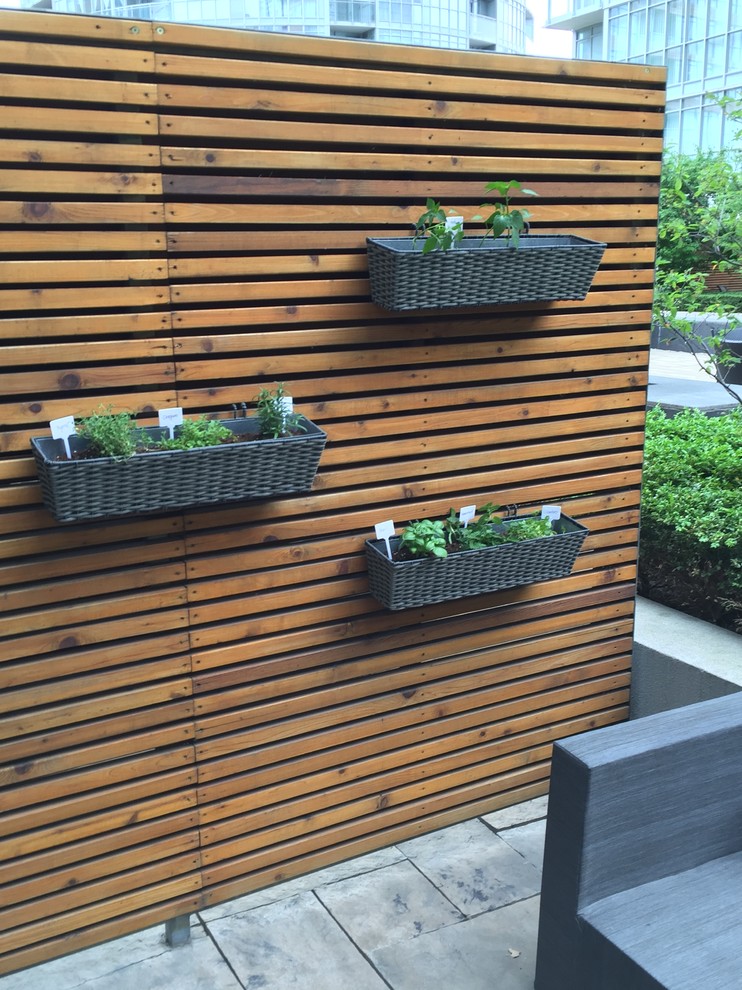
point(679, 660)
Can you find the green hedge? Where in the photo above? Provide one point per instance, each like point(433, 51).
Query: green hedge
point(691, 526)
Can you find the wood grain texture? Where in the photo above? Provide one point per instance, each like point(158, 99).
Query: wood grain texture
point(197, 704)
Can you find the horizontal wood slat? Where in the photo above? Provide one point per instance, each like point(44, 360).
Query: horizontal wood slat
point(196, 704)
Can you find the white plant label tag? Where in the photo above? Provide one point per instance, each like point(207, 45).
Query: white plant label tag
point(383, 531)
point(288, 403)
point(62, 429)
point(454, 223)
point(170, 418)
point(466, 514)
point(552, 512)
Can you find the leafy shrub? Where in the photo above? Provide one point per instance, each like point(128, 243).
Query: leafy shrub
point(691, 532)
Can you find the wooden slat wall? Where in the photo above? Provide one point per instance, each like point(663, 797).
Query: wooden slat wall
point(199, 704)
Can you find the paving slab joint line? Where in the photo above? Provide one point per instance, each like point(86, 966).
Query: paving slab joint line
point(218, 948)
point(357, 947)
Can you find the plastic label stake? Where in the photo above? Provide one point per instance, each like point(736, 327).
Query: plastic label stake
point(466, 514)
point(170, 418)
point(383, 531)
point(552, 512)
point(62, 429)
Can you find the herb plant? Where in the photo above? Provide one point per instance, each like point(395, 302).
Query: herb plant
point(439, 537)
point(110, 434)
point(502, 219)
point(439, 236)
point(275, 419)
point(425, 538)
point(201, 432)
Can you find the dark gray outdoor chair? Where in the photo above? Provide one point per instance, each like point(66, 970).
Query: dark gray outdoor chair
point(642, 880)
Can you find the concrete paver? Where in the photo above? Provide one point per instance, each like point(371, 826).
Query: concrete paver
point(494, 951)
point(390, 905)
point(476, 869)
point(293, 943)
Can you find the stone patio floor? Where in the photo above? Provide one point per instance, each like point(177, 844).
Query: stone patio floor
point(453, 910)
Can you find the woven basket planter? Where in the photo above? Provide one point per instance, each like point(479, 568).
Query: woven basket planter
point(408, 583)
point(481, 271)
point(101, 487)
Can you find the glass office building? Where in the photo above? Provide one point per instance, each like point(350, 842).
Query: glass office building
point(487, 25)
point(700, 42)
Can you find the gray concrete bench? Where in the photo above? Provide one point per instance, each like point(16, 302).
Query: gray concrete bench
point(642, 881)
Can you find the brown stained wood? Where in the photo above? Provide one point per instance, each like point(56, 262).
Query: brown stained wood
point(91, 914)
point(69, 242)
point(76, 588)
point(79, 182)
point(53, 716)
point(58, 271)
point(85, 756)
point(372, 754)
point(327, 161)
point(477, 750)
point(49, 89)
point(96, 934)
point(182, 241)
point(220, 678)
point(508, 795)
point(374, 216)
point(370, 818)
point(26, 749)
point(152, 821)
point(358, 807)
point(43, 214)
point(383, 674)
point(285, 651)
point(79, 817)
point(235, 44)
point(37, 413)
point(82, 873)
point(512, 326)
point(73, 788)
point(258, 129)
point(483, 84)
point(105, 350)
point(144, 875)
point(119, 155)
point(89, 611)
point(25, 698)
point(37, 54)
point(73, 380)
point(65, 119)
point(422, 353)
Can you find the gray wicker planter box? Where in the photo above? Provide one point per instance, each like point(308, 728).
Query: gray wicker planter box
point(101, 487)
point(481, 271)
point(408, 583)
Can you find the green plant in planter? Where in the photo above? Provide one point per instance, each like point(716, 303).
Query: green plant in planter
point(503, 219)
point(110, 434)
point(425, 538)
point(439, 537)
point(439, 236)
point(201, 432)
point(275, 420)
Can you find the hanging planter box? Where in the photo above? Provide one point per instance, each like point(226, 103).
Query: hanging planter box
point(101, 487)
point(400, 584)
point(481, 271)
